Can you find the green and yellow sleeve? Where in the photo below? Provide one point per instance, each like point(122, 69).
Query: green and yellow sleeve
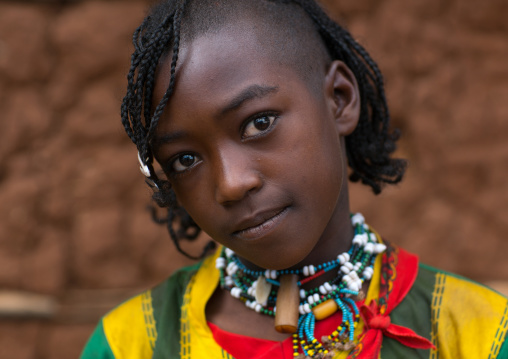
point(97, 346)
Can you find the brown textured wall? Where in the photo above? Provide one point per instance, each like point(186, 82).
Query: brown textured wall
point(72, 201)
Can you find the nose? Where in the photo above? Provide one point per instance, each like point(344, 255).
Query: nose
point(235, 176)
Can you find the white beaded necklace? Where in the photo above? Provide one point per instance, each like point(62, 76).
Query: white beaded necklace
point(298, 312)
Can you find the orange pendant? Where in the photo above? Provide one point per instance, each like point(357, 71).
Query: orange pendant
point(325, 309)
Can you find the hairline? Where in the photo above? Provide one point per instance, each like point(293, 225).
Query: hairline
point(303, 49)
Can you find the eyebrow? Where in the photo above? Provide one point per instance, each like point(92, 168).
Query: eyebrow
point(167, 138)
point(250, 93)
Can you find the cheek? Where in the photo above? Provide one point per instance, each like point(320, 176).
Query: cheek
point(322, 182)
point(191, 196)
point(320, 156)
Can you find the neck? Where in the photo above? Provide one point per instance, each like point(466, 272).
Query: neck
point(335, 239)
point(299, 306)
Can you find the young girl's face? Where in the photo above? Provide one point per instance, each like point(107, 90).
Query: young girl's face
point(253, 152)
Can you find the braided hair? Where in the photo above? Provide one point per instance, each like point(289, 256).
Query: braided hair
point(158, 39)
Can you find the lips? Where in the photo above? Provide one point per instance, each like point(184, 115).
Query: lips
point(260, 224)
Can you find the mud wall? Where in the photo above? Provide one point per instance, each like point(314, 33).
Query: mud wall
point(73, 218)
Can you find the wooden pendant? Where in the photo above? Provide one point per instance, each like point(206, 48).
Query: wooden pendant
point(288, 300)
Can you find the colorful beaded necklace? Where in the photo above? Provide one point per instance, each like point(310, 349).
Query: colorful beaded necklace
point(259, 290)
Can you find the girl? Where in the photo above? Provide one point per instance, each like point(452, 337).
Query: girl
point(252, 108)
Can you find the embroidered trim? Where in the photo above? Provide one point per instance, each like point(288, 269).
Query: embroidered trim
point(437, 298)
point(185, 337)
point(151, 330)
point(500, 335)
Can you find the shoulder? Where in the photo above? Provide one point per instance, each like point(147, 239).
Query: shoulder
point(456, 293)
point(131, 329)
point(462, 318)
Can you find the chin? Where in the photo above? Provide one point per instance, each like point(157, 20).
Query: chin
point(278, 259)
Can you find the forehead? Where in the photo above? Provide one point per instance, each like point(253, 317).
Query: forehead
point(223, 57)
point(216, 65)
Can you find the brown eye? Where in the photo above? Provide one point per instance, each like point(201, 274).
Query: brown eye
point(183, 162)
point(258, 125)
point(262, 123)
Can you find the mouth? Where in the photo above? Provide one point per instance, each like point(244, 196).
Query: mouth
point(260, 224)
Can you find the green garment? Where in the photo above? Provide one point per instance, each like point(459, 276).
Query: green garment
point(463, 319)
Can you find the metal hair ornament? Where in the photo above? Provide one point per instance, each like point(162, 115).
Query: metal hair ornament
point(145, 170)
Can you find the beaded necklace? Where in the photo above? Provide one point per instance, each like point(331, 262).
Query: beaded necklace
point(263, 290)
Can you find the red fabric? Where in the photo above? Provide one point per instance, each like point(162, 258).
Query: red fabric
point(378, 325)
point(400, 274)
point(400, 269)
point(243, 347)
point(406, 270)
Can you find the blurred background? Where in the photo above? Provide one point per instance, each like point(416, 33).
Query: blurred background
point(75, 235)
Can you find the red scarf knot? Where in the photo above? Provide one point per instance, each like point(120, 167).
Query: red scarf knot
point(378, 324)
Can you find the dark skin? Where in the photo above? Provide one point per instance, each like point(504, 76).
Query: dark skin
point(256, 156)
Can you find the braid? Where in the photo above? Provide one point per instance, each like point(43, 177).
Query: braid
point(150, 43)
point(176, 44)
point(188, 229)
point(368, 147)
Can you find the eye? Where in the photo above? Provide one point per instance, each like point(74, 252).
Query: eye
point(258, 125)
point(184, 162)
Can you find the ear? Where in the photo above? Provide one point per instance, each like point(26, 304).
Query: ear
point(343, 97)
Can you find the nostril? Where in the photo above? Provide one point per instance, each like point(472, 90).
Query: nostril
point(236, 174)
point(234, 186)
